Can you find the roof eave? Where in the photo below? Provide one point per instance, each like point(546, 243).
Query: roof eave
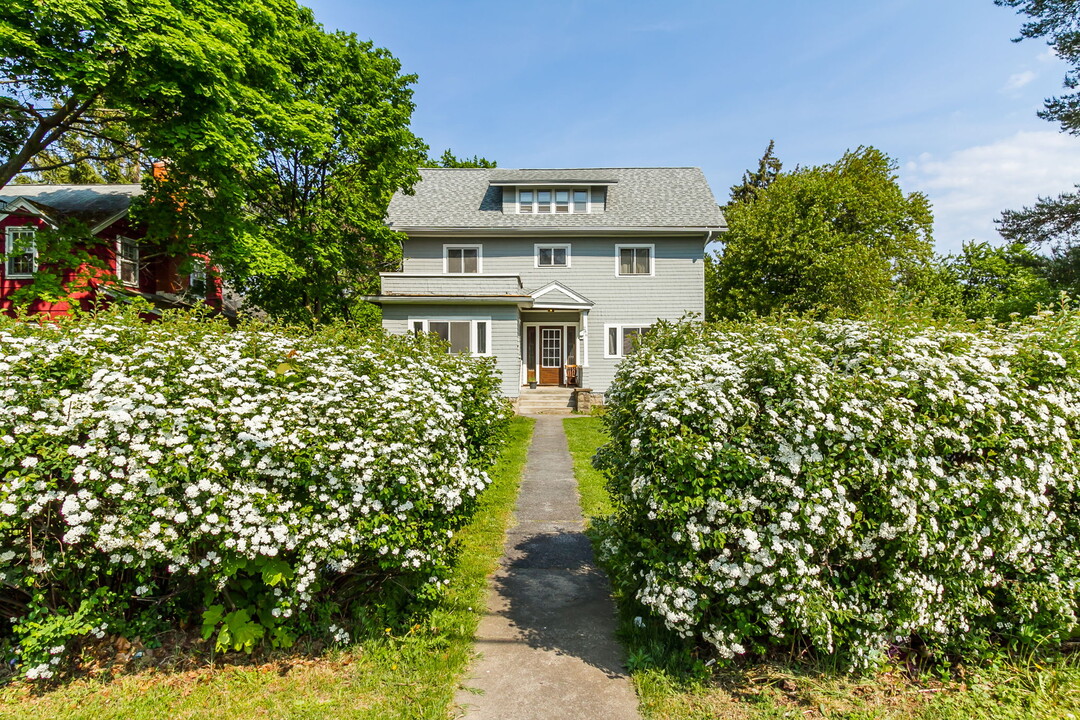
point(448, 299)
point(579, 230)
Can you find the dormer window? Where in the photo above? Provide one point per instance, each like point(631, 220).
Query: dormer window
point(558, 201)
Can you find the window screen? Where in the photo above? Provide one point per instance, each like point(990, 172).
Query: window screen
point(20, 248)
point(481, 338)
point(127, 261)
point(635, 261)
point(459, 336)
point(463, 260)
point(552, 257)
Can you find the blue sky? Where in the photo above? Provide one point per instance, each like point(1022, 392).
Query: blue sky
point(936, 84)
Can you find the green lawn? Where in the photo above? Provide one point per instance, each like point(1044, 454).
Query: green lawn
point(673, 684)
point(409, 673)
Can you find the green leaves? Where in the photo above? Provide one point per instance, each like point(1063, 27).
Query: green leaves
point(865, 488)
point(283, 143)
point(237, 630)
point(837, 238)
point(264, 502)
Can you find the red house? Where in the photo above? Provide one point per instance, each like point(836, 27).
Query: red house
point(124, 265)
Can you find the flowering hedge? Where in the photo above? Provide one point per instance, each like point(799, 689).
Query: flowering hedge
point(860, 488)
point(256, 479)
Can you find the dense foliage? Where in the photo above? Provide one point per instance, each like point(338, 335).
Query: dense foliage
point(861, 489)
point(1053, 222)
point(281, 143)
point(997, 282)
point(319, 194)
point(190, 81)
point(259, 481)
point(836, 238)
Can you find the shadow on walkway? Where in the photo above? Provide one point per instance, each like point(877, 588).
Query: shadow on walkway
point(558, 600)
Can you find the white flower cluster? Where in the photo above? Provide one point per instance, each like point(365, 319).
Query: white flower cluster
point(857, 485)
point(182, 449)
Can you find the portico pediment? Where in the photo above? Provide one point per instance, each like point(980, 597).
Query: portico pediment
point(556, 296)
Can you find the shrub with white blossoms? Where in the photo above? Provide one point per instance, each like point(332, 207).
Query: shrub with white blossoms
point(184, 468)
point(861, 488)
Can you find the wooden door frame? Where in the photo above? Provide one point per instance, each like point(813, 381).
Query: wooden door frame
point(566, 345)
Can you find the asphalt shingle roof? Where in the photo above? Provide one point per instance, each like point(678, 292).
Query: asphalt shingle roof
point(637, 197)
point(89, 203)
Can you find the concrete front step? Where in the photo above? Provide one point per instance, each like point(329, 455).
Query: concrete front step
point(545, 401)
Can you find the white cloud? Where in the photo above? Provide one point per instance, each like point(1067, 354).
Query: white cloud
point(970, 187)
point(1019, 80)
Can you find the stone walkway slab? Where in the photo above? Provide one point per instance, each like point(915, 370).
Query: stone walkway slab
point(546, 645)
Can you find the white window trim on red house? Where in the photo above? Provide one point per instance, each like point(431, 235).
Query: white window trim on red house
point(9, 233)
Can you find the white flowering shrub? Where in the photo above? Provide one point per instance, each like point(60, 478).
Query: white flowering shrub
point(859, 488)
point(159, 473)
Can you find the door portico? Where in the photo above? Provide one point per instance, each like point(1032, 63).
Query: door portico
point(554, 327)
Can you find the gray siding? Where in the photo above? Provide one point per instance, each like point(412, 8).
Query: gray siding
point(677, 287)
point(505, 335)
point(599, 195)
point(485, 284)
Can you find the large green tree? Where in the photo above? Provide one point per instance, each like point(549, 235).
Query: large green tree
point(1053, 223)
point(320, 191)
point(998, 282)
point(282, 143)
point(838, 238)
point(184, 80)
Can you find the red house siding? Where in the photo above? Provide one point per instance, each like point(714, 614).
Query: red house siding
point(157, 274)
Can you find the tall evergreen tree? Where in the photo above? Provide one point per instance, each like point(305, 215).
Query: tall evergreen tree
point(769, 168)
point(1053, 222)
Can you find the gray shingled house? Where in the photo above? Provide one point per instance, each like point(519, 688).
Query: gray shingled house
point(553, 272)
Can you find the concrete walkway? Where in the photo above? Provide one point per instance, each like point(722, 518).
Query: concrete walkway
point(547, 643)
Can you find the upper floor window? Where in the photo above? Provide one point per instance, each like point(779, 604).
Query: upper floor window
point(127, 261)
point(552, 256)
point(631, 260)
point(459, 259)
point(560, 201)
point(20, 252)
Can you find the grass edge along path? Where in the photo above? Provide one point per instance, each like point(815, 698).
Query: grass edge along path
point(411, 673)
point(672, 685)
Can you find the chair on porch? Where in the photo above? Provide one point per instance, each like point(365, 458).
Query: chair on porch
point(571, 375)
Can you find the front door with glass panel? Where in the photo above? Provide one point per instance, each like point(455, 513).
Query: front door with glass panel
point(551, 355)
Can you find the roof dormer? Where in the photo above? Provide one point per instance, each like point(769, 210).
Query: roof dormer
point(558, 197)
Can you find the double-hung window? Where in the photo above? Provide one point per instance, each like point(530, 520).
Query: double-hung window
point(623, 339)
point(127, 261)
point(462, 259)
point(472, 336)
point(558, 201)
point(634, 260)
point(20, 252)
point(552, 256)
